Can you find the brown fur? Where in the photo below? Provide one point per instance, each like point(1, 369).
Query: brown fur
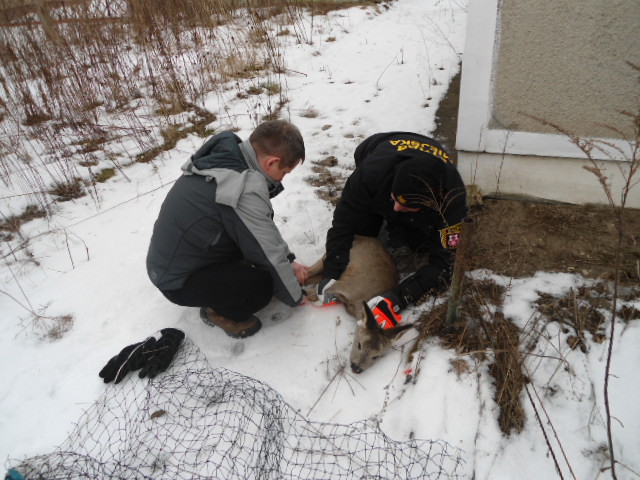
point(371, 271)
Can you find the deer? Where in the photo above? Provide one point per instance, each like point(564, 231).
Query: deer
point(371, 271)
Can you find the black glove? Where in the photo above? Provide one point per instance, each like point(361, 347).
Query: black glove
point(128, 360)
point(386, 309)
point(325, 284)
point(152, 356)
point(157, 357)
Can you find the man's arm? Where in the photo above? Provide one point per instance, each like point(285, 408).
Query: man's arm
point(428, 279)
point(251, 226)
point(352, 216)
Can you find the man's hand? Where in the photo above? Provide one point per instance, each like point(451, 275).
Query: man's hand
point(386, 310)
point(301, 272)
point(324, 296)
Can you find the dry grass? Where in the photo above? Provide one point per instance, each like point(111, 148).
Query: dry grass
point(78, 81)
point(485, 335)
point(11, 225)
point(310, 112)
point(52, 328)
point(68, 190)
point(105, 175)
point(579, 312)
point(508, 373)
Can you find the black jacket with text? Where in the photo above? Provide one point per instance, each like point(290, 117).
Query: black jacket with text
point(366, 203)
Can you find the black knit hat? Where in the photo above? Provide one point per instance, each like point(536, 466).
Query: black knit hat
point(410, 186)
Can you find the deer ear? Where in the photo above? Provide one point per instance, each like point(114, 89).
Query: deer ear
point(395, 332)
point(371, 320)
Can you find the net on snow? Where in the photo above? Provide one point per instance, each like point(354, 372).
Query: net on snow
point(199, 422)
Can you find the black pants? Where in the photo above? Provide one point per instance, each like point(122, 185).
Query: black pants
point(235, 290)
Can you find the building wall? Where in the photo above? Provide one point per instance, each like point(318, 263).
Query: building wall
point(564, 62)
point(546, 178)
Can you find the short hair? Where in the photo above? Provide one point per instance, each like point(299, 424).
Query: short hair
point(279, 138)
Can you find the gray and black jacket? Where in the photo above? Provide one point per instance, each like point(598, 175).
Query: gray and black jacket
point(219, 211)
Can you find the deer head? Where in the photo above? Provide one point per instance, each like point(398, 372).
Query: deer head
point(371, 341)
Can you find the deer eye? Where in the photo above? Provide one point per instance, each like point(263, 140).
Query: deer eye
point(359, 346)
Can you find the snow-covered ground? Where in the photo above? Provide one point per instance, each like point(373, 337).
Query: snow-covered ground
point(383, 69)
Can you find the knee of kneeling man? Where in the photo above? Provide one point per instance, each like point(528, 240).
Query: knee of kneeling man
point(263, 287)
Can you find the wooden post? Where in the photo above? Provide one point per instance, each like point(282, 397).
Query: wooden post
point(459, 270)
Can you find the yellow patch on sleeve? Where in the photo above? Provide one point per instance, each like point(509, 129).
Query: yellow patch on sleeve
point(450, 236)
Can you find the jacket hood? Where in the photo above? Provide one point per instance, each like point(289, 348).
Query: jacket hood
point(220, 151)
point(227, 152)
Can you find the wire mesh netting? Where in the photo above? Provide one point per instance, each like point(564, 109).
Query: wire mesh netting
point(199, 422)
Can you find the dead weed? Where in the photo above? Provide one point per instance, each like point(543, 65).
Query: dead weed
point(482, 332)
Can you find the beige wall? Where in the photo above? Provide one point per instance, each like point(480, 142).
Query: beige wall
point(565, 61)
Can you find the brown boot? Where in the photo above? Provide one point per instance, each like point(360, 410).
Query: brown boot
point(233, 329)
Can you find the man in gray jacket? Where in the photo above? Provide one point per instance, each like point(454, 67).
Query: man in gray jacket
point(215, 244)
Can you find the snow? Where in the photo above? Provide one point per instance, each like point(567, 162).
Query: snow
point(383, 69)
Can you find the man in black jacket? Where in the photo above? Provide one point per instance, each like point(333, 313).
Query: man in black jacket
point(215, 244)
point(403, 183)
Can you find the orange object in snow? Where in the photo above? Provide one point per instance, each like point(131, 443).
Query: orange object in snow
point(386, 316)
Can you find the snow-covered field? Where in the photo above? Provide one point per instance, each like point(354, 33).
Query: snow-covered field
point(384, 69)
